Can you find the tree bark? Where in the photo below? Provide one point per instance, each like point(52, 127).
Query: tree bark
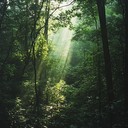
point(47, 10)
point(126, 59)
point(107, 61)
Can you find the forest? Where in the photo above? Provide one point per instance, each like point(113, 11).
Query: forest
point(64, 63)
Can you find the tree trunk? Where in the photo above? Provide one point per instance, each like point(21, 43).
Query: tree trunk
point(107, 61)
point(47, 10)
point(126, 59)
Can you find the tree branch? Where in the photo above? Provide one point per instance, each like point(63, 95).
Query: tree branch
point(53, 13)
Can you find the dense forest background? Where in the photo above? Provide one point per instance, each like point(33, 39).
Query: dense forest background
point(64, 64)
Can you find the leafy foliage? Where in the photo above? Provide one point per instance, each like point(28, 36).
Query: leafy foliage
point(33, 92)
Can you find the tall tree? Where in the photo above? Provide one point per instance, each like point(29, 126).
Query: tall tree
point(108, 68)
point(126, 58)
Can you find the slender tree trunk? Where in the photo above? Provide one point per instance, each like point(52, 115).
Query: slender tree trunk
point(99, 78)
point(126, 60)
point(47, 10)
point(37, 104)
point(46, 24)
point(108, 69)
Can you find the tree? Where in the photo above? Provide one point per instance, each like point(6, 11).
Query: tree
point(108, 68)
point(126, 59)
